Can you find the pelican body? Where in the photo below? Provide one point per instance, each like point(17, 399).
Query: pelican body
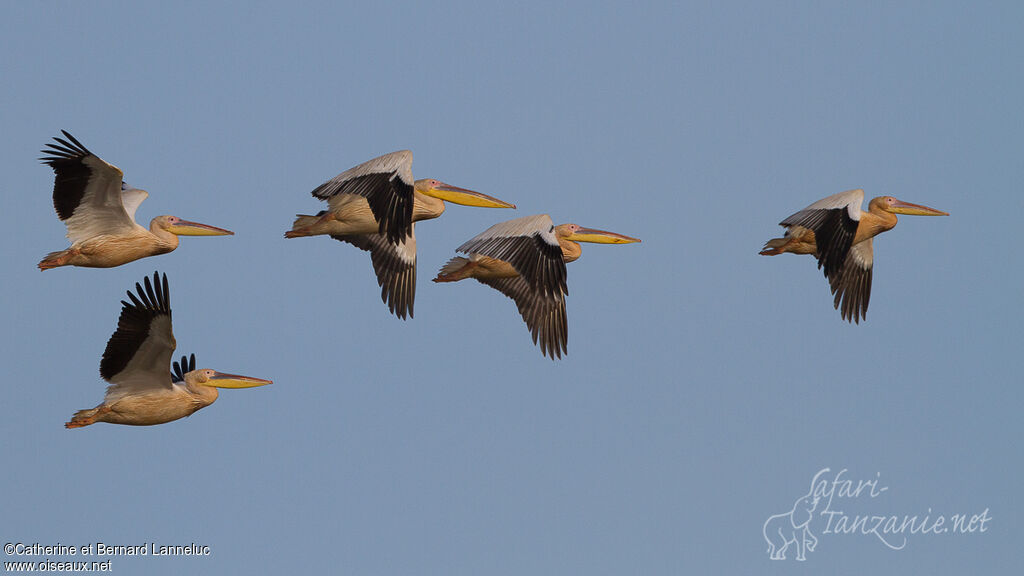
point(143, 390)
point(839, 234)
point(98, 208)
point(374, 206)
point(525, 260)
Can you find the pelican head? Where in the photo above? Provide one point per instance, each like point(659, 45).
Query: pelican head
point(180, 227)
point(207, 377)
point(456, 195)
point(890, 204)
point(578, 233)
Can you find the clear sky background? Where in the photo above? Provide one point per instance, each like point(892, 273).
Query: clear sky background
point(705, 385)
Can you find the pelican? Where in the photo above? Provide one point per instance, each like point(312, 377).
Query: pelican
point(98, 208)
point(525, 259)
point(840, 235)
point(373, 207)
point(143, 391)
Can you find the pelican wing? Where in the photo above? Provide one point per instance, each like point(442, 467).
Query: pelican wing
point(131, 198)
point(834, 221)
point(138, 355)
point(529, 244)
point(852, 284)
point(188, 364)
point(544, 315)
point(395, 266)
point(386, 183)
point(87, 192)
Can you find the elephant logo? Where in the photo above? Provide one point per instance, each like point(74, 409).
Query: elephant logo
point(792, 529)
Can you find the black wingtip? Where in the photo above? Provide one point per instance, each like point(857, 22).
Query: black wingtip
point(64, 149)
point(177, 375)
point(151, 295)
point(187, 364)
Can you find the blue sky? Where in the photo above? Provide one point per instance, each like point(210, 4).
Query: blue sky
point(705, 385)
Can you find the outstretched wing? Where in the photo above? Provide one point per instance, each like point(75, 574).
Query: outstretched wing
point(87, 192)
point(138, 354)
point(386, 183)
point(395, 266)
point(529, 244)
point(834, 221)
point(544, 314)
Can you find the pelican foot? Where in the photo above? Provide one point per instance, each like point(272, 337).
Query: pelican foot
point(57, 259)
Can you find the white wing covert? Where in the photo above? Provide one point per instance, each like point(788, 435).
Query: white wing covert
point(86, 191)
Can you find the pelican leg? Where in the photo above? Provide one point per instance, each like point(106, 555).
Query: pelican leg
point(776, 246)
point(798, 240)
point(87, 417)
point(456, 269)
point(57, 259)
point(306, 225)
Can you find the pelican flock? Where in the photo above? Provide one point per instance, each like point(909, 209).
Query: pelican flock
point(525, 260)
point(98, 208)
point(840, 235)
point(374, 207)
point(137, 363)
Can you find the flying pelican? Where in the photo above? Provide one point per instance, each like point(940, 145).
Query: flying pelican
point(525, 259)
point(373, 207)
point(98, 208)
point(137, 360)
point(839, 234)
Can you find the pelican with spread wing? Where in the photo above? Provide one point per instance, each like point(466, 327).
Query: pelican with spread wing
point(98, 208)
point(525, 259)
point(374, 207)
point(840, 235)
point(143, 390)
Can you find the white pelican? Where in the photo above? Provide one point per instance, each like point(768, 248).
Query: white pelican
point(98, 208)
point(373, 207)
point(136, 363)
point(839, 234)
point(525, 259)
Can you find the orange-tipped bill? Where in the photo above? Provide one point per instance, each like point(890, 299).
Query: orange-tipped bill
point(187, 228)
point(900, 207)
point(224, 380)
point(601, 237)
point(457, 195)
